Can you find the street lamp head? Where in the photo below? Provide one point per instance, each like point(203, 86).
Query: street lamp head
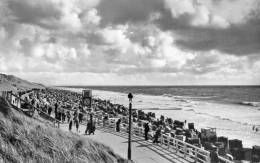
point(130, 96)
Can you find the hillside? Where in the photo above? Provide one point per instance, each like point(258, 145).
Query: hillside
point(23, 139)
point(10, 82)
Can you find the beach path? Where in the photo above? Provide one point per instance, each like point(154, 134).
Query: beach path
point(142, 151)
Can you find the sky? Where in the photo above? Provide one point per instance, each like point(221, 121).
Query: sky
point(131, 42)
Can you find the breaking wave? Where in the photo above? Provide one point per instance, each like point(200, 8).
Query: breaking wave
point(253, 104)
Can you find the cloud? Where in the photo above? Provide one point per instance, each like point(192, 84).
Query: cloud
point(126, 41)
point(239, 39)
point(52, 14)
point(123, 11)
point(201, 30)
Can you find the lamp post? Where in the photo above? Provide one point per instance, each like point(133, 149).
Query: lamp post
point(130, 97)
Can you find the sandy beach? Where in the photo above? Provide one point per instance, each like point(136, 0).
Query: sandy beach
point(235, 124)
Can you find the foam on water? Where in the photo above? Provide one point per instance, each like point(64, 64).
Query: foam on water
point(234, 121)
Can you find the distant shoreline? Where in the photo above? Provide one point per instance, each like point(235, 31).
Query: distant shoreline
point(83, 86)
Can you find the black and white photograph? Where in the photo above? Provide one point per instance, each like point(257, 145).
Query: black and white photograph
point(129, 81)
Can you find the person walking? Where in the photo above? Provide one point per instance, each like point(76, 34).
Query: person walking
point(80, 117)
point(93, 129)
point(118, 125)
point(63, 115)
point(146, 130)
point(87, 131)
point(49, 109)
point(56, 110)
point(70, 124)
point(68, 116)
point(76, 121)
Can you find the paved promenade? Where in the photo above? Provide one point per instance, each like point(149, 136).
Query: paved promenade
point(142, 151)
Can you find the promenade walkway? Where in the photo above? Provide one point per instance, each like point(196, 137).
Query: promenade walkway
point(142, 151)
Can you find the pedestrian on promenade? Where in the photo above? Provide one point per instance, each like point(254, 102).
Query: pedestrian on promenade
point(90, 129)
point(76, 121)
point(59, 114)
point(87, 131)
point(118, 125)
point(80, 117)
point(157, 135)
point(56, 110)
point(93, 128)
point(49, 109)
point(68, 116)
point(146, 130)
point(70, 125)
point(63, 115)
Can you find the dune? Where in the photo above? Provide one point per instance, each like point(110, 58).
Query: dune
point(10, 82)
point(24, 139)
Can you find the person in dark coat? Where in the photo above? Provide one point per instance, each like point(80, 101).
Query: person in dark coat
point(90, 128)
point(80, 117)
point(87, 131)
point(93, 128)
point(70, 125)
point(49, 110)
point(118, 125)
point(55, 110)
point(59, 115)
point(146, 130)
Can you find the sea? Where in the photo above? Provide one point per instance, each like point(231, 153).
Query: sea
point(232, 110)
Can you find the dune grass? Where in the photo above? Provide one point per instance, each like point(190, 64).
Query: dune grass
point(23, 139)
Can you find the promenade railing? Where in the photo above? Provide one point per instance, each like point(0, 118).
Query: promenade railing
point(170, 143)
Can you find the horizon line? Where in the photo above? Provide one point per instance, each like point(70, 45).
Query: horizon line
point(151, 85)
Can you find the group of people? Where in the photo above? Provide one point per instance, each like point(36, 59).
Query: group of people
point(56, 104)
point(254, 128)
point(146, 131)
point(65, 106)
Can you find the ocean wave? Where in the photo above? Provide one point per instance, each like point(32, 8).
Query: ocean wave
point(253, 104)
point(175, 108)
point(182, 100)
point(167, 95)
point(227, 119)
point(177, 98)
point(222, 118)
point(201, 97)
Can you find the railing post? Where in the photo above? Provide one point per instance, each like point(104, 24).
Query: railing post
point(176, 145)
point(196, 155)
point(208, 157)
point(168, 142)
point(185, 150)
